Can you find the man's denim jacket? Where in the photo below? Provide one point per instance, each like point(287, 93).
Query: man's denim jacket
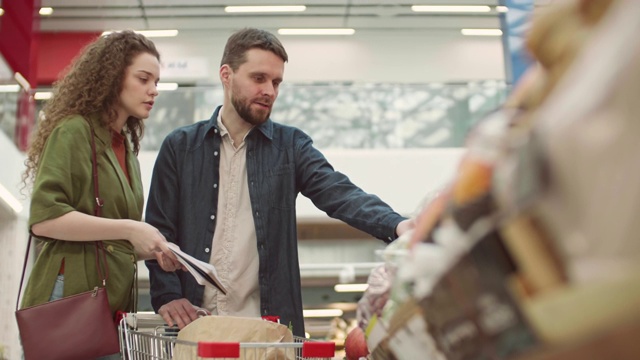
point(281, 162)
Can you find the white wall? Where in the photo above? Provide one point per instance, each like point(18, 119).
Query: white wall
point(373, 56)
point(402, 178)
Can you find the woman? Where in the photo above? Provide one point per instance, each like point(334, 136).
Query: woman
point(112, 84)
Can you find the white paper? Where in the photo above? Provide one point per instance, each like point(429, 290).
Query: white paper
point(204, 273)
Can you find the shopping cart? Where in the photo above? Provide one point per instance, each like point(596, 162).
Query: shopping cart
point(146, 337)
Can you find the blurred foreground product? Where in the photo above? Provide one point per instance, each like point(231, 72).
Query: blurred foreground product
point(619, 343)
point(539, 267)
point(532, 251)
point(428, 217)
point(376, 299)
point(589, 131)
point(471, 313)
point(458, 275)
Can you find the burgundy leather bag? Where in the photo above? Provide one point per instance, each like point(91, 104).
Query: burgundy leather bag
point(75, 327)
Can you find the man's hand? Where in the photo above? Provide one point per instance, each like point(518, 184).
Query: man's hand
point(404, 226)
point(180, 312)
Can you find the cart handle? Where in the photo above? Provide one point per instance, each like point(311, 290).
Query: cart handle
point(219, 349)
point(310, 349)
point(318, 349)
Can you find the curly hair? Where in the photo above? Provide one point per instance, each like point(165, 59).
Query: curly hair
point(92, 85)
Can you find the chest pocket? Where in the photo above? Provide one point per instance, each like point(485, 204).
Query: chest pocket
point(281, 186)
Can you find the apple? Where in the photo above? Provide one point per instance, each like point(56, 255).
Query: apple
point(355, 345)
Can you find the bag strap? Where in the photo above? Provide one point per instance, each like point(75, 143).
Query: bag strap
point(24, 268)
point(97, 211)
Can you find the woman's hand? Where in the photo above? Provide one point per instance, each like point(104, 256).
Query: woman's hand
point(149, 243)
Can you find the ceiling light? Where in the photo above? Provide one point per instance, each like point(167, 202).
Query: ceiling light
point(481, 32)
point(451, 8)
point(151, 33)
point(308, 313)
point(502, 9)
point(9, 88)
point(251, 9)
point(1, 11)
point(351, 287)
point(42, 95)
point(336, 31)
point(166, 86)
point(10, 199)
point(45, 11)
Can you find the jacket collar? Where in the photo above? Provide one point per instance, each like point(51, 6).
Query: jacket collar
point(132, 189)
point(103, 134)
point(266, 128)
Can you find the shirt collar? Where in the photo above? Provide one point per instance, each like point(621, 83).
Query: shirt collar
point(223, 129)
point(214, 123)
point(116, 137)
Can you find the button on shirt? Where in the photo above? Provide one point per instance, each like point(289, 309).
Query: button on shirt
point(234, 246)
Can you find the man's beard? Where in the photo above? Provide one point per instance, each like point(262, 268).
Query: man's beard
point(243, 108)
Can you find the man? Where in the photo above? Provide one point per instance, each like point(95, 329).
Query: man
point(224, 190)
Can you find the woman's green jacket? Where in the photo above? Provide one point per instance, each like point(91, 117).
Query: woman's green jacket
point(63, 184)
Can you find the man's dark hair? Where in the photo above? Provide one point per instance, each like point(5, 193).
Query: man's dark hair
point(250, 38)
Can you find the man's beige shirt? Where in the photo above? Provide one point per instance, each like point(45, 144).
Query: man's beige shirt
point(234, 249)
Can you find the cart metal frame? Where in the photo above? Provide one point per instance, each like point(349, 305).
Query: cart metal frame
point(146, 337)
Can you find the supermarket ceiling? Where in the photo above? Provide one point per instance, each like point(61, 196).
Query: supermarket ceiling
point(361, 15)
